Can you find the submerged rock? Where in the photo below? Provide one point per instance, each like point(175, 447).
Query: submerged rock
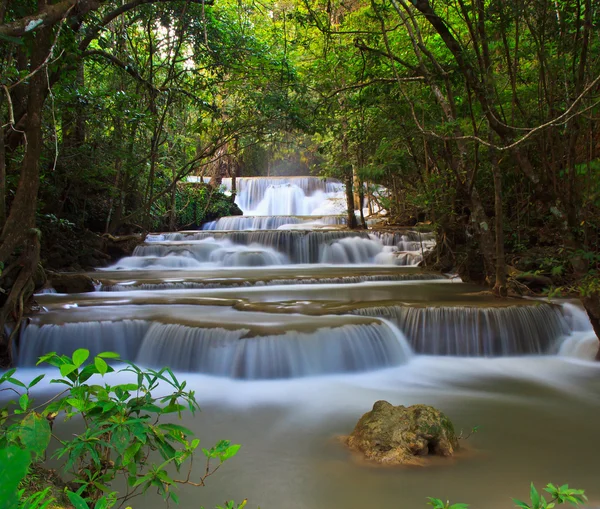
point(399, 435)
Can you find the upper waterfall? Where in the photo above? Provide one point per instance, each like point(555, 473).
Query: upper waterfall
point(286, 196)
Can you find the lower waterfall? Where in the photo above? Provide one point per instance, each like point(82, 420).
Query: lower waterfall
point(474, 331)
point(234, 353)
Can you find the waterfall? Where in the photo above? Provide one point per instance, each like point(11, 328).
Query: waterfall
point(284, 195)
point(235, 353)
point(122, 336)
point(272, 222)
point(297, 246)
point(478, 331)
point(263, 281)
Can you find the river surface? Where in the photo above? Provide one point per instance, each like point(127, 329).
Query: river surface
point(289, 328)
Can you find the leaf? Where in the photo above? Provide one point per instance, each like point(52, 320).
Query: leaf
point(34, 432)
point(24, 401)
point(175, 427)
point(131, 452)
point(14, 381)
point(7, 375)
point(535, 497)
point(520, 503)
point(101, 365)
point(19, 460)
point(35, 381)
point(67, 369)
point(109, 355)
point(77, 501)
point(232, 450)
point(80, 356)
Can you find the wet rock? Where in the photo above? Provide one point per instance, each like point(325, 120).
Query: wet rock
point(591, 303)
point(399, 435)
point(71, 283)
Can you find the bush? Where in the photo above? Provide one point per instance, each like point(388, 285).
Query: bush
point(559, 495)
point(121, 428)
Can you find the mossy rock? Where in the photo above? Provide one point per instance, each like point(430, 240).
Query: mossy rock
point(398, 435)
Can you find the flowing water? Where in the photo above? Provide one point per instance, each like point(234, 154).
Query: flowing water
point(290, 327)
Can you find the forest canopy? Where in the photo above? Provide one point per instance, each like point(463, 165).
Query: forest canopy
point(479, 116)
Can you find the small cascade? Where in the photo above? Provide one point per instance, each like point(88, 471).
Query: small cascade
point(199, 254)
point(237, 353)
point(478, 331)
point(272, 222)
point(228, 283)
point(123, 336)
point(349, 348)
point(351, 250)
point(298, 246)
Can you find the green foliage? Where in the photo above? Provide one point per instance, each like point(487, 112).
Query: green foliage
point(122, 434)
point(436, 503)
point(559, 495)
point(197, 203)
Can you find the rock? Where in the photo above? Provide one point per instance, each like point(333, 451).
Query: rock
point(591, 302)
point(398, 435)
point(71, 283)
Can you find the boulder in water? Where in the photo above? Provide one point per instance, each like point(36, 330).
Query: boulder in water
point(72, 283)
point(399, 435)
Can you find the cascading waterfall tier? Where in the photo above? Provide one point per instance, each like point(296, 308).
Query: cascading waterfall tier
point(321, 280)
point(476, 331)
point(286, 195)
point(190, 250)
point(236, 353)
point(274, 222)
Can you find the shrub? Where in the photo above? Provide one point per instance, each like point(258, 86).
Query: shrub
point(121, 434)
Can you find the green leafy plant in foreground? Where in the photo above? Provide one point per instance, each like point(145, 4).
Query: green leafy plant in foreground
point(560, 495)
point(121, 434)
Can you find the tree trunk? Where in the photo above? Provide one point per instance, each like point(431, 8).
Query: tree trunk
point(352, 224)
point(481, 223)
point(22, 212)
point(2, 178)
point(173, 211)
point(19, 230)
point(500, 285)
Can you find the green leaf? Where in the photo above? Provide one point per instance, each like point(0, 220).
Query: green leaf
point(77, 501)
point(67, 369)
point(109, 355)
point(101, 365)
point(130, 453)
point(24, 401)
point(16, 382)
point(34, 432)
point(35, 381)
point(19, 460)
point(232, 450)
point(520, 503)
point(535, 497)
point(80, 356)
